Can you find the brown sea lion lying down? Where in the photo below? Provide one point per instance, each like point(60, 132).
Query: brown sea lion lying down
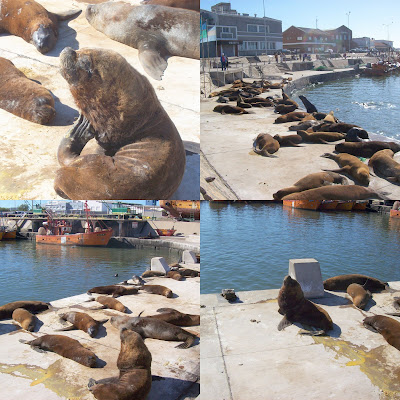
point(227, 109)
point(359, 295)
point(320, 137)
point(114, 290)
point(342, 282)
point(82, 321)
point(143, 157)
point(383, 164)
point(366, 149)
point(23, 97)
point(265, 145)
point(175, 317)
point(7, 310)
point(388, 327)
point(157, 289)
point(25, 319)
point(293, 117)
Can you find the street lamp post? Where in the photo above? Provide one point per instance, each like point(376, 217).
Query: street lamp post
point(265, 30)
point(348, 25)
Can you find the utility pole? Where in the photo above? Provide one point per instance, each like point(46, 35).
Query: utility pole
point(316, 22)
point(348, 25)
point(265, 30)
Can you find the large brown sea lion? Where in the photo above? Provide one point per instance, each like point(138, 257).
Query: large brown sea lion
point(158, 32)
point(25, 319)
point(110, 302)
point(32, 22)
point(265, 145)
point(144, 154)
point(320, 137)
point(342, 282)
point(175, 317)
point(65, 347)
point(310, 108)
point(359, 295)
point(383, 164)
point(296, 308)
point(134, 364)
point(227, 109)
point(366, 149)
point(114, 290)
point(336, 192)
point(350, 165)
point(157, 289)
point(82, 321)
point(334, 127)
point(23, 97)
point(289, 140)
point(285, 109)
point(34, 306)
point(293, 117)
point(187, 4)
point(155, 329)
point(312, 181)
point(388, 327)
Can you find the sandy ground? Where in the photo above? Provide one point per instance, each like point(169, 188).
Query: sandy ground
point(28, 157)
point(227, 141)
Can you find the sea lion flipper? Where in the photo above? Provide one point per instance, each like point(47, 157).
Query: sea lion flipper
point(284, 324)
point(186, 344)
point(166, 310)
point(91, 383)
point(64, 15)
point(153, 63)
point(312, 332)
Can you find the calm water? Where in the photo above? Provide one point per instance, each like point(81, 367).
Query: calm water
point(370, 102)
point(45, 272)
point(248, 247)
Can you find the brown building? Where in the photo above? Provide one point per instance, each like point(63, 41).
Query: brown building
point(309, 40)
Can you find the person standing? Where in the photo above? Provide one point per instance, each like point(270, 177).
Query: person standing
point(223, 62)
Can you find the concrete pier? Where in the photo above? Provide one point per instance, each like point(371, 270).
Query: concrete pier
point(244, 356)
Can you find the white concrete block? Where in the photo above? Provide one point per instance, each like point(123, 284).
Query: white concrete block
point(189, 256)
point(159, 264)
point(307, 272)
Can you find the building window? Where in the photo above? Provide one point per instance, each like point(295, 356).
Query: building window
point(310, 38)
point(300, 38)
point(261, 45)
point(252, 28)
point(252, 45)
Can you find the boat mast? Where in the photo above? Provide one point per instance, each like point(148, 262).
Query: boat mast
point(88, 220)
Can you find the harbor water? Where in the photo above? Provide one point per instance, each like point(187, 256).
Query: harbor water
point(370, 102)
point(48, 272)
point(248, 246)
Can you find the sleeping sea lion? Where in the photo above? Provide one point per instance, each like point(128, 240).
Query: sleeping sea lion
point(227, 109)
point(388, 327)
point(25, 319)
point(359, 295)
point(175, 317)
point(265, 145)
point(114, 290)
point(294, 116)
point(34, 306)
point(157, 289)
point(110, 302)
point(366, 149)
point(342, 282)
point(320, 137)
point(383, 164)
point(289, 140)
point(82, 321)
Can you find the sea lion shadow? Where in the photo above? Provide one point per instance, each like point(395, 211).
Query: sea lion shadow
point(8, 328)
point(370, 304)
point(331, 299)
point(65, 115)
point(38, 325)
point(335, 332)
point(68, 39)
point(178, 386)
point(128, 311)
point(102, 332)
point(174, 296)
point(191, 147)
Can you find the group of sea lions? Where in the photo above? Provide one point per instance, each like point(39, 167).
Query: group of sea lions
point(296, 308)
point(142, 153)
point(134, 360)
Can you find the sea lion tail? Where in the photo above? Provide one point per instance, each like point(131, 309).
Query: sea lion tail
point(187, 343)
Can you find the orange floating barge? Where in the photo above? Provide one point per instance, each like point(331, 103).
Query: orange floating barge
point(165, 232)
point(303, 204)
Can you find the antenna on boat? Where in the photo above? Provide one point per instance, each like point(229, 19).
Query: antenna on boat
point(88, 220)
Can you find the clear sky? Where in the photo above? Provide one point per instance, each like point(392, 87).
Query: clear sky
point(367, 18)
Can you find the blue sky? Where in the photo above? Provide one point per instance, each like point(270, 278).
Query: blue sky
point(367, 18)
point(16, 203)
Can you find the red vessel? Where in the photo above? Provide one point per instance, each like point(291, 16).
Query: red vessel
point(165, 232)
point(59, 232)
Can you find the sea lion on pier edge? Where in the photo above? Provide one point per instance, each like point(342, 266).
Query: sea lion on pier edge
point(175, 317)
point(383, 164)
point(334, 127)
point(336, 192)
point(144, 154)
point(155, 329)
point(110, 302)
point(25, 319)
point(366, 149)
point(289, 140)
point(310, 108)
point(32, 22)
point(65, 347)
point(320, 137)
point(359, 295)
point(312, 181)
point(293, 117)
point(157, 32)
point(187, 4)
point(114, 290)
point(83, 322)
point(342, 282)
point(7, 309)
point(296, 308)
point(24, 97)
point(157, 289)
point(388, 327)
point(350, 165)
point(227, 109)
point(174, 275)
point(134, 364)
point(265, 145)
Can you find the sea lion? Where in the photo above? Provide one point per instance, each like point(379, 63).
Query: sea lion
point(350, 165)
point(241, 104)
point(187, 4)
point(149, 273)
point(157, 289)
point(336, 192)
point(312, 181)
point(319, 116)
point(24, 97)
point(25, 319)
point(265, 145)
point(114, 290)
point(388, 327)
point(366, 149)
point(174, 275)
point(34, 306)
point(356, 135)
point(330, 117)
point(359, 295)
point(189, 272)
point(289, 140)
point(396, 303)
point(154, 329)
point(65, 347)
point(222, 99)
point(256, 100)
point(144, 154)
point(296, 308)
point(285, 109)
point(175, 317)
point(227, 109)
point(83, 322)
point(134, 364)
point(110, 302)
point(383, 164)
point(335, 127)
point(32, 22)
point(158, 32)
point(308, 105)
point(320, 137)
point(293, 117)
point(342, 282)
point(303, 126)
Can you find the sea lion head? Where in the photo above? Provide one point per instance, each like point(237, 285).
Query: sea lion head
point(44, 38)
point(102, 15)
point(363, 177)
point(92, 330)
point(291, 293)
point(369, 323)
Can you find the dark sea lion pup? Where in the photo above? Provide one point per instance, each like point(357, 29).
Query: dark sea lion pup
point(7, 310)
point(296, 308)
point(24, 97)
point(32, 22)
point(82, 321)
point(143, 158)
point(158, 32)
point(25, 319)
point(342, 282)
point(388, 327)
